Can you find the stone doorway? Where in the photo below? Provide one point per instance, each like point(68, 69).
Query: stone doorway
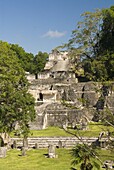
point(40, 96)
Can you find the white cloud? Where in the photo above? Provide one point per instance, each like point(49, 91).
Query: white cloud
point(54, 34)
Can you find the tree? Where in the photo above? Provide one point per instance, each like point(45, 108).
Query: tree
point(84, 43)
point(106, 42)
point(91, 46)
point(85, 156)
point(16, 104)
point(95, 70)
point(86, 36)
point(26, 59)
point(39, 62)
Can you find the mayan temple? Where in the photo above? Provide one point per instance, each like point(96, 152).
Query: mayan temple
point(60, 99)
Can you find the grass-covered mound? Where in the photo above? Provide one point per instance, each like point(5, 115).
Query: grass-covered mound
point(93, 130)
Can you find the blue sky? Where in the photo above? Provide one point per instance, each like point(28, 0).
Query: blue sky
point(41, 25)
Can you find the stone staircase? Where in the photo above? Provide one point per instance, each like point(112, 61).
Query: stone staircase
point(41, 117)
point(44, 142)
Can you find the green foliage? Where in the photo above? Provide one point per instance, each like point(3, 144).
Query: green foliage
point(85, 156)
point(95, 70)
point(16, 104)
point(85, 36)
point(101, 68)
point(107, 33)
point(91, 46)
point(26, 59)
point(28, 62)
point(39, 62)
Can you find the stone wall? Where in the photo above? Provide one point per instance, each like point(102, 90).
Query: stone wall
point(64, 103)
point(44, 142)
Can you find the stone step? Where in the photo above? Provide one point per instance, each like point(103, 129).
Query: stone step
point(43, 142)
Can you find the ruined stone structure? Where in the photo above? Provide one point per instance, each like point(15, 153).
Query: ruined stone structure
point(61, 100)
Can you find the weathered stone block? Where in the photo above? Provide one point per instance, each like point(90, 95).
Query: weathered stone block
point(3, 152)
point(14, 146)
point(60, 145)
point(90, 98)
point(51, 151)
point(36, 146)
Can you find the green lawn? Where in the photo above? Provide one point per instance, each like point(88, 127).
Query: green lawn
point(36, 160)
point(50, 131)
point(93, 131)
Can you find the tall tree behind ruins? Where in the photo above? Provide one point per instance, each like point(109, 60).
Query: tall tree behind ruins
point(16, 104)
